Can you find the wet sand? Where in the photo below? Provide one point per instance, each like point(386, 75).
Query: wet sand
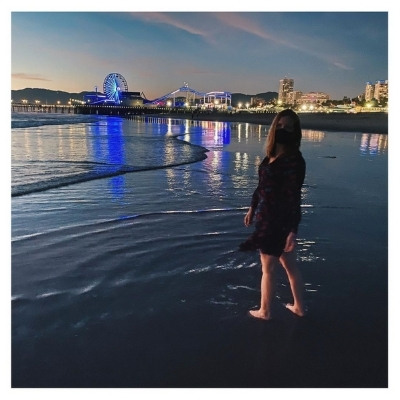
point(134, 281)
point(343, 122)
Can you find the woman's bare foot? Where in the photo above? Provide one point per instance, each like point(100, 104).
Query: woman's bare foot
point(259, 314)
point(295, 310)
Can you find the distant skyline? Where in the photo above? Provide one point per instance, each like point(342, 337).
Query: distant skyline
point(156, 52)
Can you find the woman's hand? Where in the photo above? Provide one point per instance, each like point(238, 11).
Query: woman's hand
point(248, 218)
point(290, 242)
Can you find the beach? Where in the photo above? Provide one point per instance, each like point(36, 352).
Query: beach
point(372, 122)
point(125, 264)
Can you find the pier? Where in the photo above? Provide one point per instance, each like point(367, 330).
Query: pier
point(136, 110)
point(43, 108)
point(115, 110)
point(367, 122)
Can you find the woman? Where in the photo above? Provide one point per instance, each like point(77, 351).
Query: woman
point(276, 207)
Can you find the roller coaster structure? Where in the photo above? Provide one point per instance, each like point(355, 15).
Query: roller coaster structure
point(194, 98)
point(115, 90)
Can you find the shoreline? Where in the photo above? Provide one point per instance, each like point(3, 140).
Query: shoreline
point(100, 304)
point(361, 122)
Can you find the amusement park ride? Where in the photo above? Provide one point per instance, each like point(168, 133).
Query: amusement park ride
point(115, 92)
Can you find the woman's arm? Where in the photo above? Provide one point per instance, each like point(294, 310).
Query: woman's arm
point(248, 218)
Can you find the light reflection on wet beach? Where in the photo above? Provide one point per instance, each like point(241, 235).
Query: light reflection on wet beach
point(105, 269)
point(373, 144)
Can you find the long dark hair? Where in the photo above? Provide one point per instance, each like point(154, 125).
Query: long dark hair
point(295, 145)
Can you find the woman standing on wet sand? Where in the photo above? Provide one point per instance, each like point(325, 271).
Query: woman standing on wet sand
point(276, 207)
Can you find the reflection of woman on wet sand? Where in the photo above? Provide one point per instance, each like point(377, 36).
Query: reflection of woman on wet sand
point(276, 207)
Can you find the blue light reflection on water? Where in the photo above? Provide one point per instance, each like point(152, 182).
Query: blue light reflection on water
point(336, 162)
point(216, 136)
point(112, 137)
point(212, 136)
point(85, 265)
point(116, 145)
point(109, 146)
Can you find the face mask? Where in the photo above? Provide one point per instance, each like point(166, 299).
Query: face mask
point(282, 136)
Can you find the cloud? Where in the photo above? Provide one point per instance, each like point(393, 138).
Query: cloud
point(169, 19)
point(245, 24)
point(342, 66)
point(238, 21)
point(34, 77)
point(242, 22)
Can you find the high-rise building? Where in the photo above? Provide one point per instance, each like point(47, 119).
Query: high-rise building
point(285, 87)
point(381, 90)
point(377, 91)
point(369, 91)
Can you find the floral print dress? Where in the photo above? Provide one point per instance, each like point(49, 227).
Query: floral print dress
point(276, 202)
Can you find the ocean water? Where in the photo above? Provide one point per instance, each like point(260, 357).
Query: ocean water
point(125, 270)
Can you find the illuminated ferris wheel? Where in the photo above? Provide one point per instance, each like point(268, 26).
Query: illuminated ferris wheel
point(113, 85)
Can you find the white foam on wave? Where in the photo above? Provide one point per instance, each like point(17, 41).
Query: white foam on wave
point(49, 294)
point(86, 289)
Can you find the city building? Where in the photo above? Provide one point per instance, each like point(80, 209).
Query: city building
point(313, 98)
point(285, 87)
point(294, 97)
point(378, 91)
point(381, 90)
point(369, 91)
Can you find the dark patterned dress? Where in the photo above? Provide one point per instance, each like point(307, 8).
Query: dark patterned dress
point(276, 202)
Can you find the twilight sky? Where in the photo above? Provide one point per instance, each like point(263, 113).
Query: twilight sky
point(333, 52)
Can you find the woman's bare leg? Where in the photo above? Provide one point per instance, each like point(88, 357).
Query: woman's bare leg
point(288, 261)
point(267, 287)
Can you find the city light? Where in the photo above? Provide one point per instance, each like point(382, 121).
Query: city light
point(375, 99)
